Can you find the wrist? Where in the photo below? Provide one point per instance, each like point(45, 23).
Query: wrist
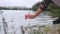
point(34, 15)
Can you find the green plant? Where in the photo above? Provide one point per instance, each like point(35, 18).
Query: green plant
point(46, 29)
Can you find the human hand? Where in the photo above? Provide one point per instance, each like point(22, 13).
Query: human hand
point(29, 16)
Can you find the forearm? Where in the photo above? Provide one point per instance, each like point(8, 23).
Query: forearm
point(37, 12)
point(34, 15)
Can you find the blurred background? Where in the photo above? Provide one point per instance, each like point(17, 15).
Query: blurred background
point(12, 18)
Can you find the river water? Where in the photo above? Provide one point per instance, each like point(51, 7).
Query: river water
point(15, 19)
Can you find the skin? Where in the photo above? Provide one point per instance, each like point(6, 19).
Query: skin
point(31, 16)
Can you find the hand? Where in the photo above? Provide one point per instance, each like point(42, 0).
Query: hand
point(29, 16)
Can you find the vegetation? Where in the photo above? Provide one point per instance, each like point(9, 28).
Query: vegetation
point(46, 29)
point(35, 6)
point(15, 8)
point(53, 9)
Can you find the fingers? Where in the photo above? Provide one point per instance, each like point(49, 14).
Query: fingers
point(27, 16)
